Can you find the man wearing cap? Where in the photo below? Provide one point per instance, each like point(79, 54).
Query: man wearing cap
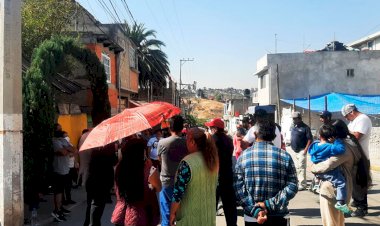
point(360, 126)
point(301, 139)
point(225, 188)
point(325, 117)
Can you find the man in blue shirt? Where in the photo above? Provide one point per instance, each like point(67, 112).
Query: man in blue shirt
point(301, 139)
point(265, 180)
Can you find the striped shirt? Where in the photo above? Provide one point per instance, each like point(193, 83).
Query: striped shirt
point(265, 173)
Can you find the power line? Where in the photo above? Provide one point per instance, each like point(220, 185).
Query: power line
point(153, 66)
point(129, 11)
point(114, 10)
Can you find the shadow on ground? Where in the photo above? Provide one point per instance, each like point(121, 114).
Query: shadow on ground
point(307, 213)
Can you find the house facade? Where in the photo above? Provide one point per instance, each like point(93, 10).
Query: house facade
point(370, 42)
point(117, 54)
point(115, 51)
point(304, 74)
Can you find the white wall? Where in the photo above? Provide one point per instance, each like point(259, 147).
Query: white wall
point(301, 74)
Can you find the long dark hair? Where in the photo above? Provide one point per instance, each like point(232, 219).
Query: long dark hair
point(129, 175)
point(206, 146)
point(363, 174)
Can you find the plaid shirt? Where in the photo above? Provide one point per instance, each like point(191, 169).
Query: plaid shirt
point(265, 173)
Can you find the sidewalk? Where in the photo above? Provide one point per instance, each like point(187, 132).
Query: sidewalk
point(46, 208)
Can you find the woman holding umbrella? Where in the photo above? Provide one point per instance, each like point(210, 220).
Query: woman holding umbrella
point(195, 187)
point(136, 184)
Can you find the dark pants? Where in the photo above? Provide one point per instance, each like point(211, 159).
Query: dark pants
point(271, 221)
point(73, 175)
point(226, 192)
point(359, 195)
point(362, 203)
point(67, 189)
point(95, 207)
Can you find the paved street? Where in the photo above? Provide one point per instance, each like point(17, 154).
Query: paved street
point(304, 209)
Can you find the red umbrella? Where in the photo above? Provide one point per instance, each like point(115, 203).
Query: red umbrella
point(129, 122)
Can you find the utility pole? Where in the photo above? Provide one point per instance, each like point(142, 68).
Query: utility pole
point(11, 159)
point(182, 62)
point(278, 96)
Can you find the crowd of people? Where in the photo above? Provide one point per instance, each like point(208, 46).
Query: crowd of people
point(183, 175)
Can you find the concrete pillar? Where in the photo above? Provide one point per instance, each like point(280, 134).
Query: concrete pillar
point(11, 160)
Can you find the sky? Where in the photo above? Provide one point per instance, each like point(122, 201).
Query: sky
point(227, 38)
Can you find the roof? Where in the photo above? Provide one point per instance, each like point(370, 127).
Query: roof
point(263, 71)
point(365, 39)
point(60, 82)
point(65, 85)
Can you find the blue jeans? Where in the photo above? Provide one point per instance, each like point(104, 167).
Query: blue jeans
point(336, 177)
point(166, 195)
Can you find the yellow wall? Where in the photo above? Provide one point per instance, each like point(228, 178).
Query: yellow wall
point(73, 125)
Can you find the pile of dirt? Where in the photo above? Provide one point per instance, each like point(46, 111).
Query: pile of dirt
point(205, 109)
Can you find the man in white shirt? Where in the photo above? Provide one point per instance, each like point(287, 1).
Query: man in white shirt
point(250, 137)
point(360, 126)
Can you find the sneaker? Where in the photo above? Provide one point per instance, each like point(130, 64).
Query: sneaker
point(58, 217)
point(220, 212)
point(300, 188)
point(65, 211)
point(359, 212)
point(343, 208)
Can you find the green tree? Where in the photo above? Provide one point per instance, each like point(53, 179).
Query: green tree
point(42, 19)
point(39, 110)
point(153, 62)
point(219, 97)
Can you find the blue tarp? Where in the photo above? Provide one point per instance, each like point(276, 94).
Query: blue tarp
point(368, 104)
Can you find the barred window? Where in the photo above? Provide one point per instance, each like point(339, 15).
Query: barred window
point(132, 58)
point(107, 66)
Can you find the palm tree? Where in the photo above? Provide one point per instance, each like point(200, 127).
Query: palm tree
point(153, 63)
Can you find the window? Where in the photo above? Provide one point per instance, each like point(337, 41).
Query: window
point(132, 58)
point(370, 45)
point(350, 73)
point(107, 66)
point(263, 82)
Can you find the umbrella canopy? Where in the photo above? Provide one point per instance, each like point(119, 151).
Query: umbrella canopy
point(129, 122)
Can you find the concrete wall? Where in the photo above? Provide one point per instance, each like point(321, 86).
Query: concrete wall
point(73, 125)
point(303, 74)
point(263, 94)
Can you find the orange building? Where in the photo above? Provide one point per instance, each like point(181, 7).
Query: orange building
point(118, 55)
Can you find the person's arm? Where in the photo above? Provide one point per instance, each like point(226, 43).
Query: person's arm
point(59, 148)
point(358, 135)
point(309, 137)
point(160, 150)
point(281, 199)
point(182, 179)
point(173, 211)
point(154, 180)
point(242, 196)
point(337, 148)
point(329, 164)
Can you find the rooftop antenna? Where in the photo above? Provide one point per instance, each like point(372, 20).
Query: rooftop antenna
point(275, 43)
